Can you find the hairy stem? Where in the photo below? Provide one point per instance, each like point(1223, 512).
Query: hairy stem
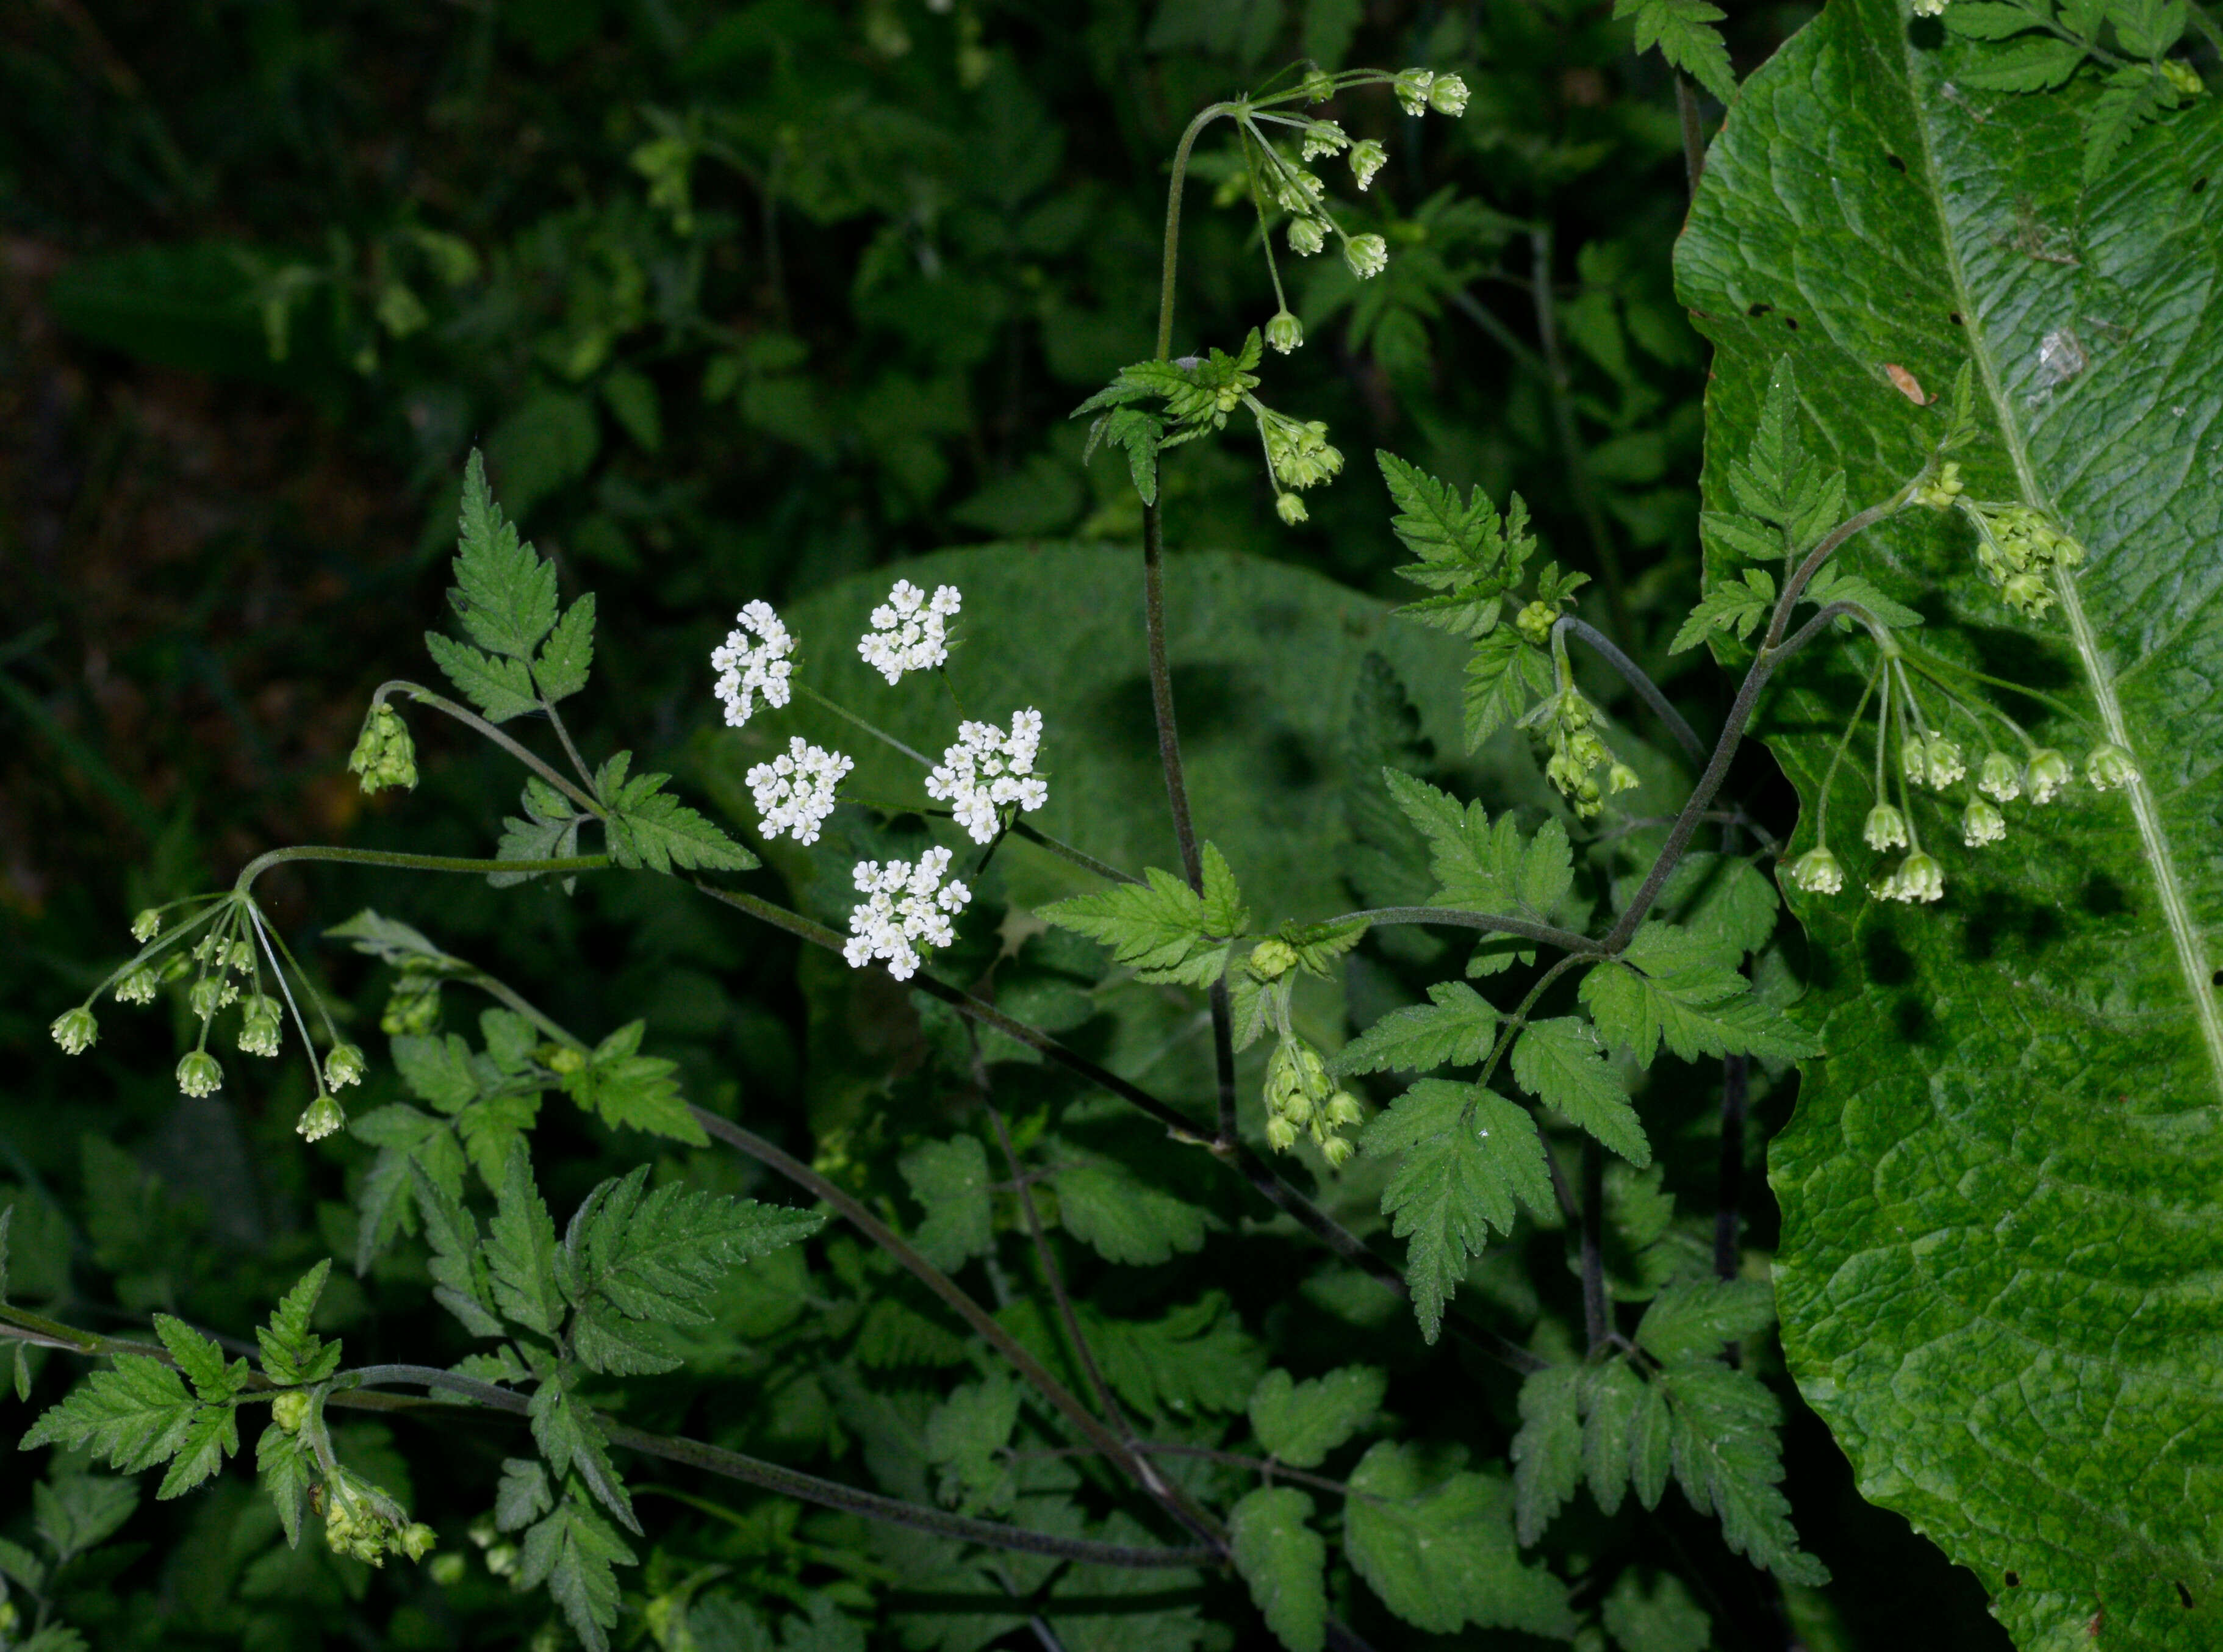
point(1634, 675)
point(1694, 131)
point(1458, 917)
point(263, 863)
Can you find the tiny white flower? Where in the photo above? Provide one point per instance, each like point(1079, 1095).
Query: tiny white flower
point(2109, 766)
point(907, 906)
point(746, 670)
point(1447, 95)
point(1367, 158)
point(1305, 236)
point(1324, 138)
point(1980, 823)
point(1817, 872)
point(989, 768)
point(2048, 772)
point(1918, 878)
point(1412, 86)
point(1886, 828)
point(795, 790)
point(909, 633)
point(2002, 777)
point(1367, 254)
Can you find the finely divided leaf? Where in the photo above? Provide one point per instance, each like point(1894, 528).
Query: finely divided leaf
point(458, 1266)
point(1728, 1460)
point(504, 592)
point(1440, 1552)
point(658, 1255)
point(292, 1352)
point(1562, 1062)
point(1122, 1218)
point(628, 1088)
point(1503, 674)
point(501, 689)
point(200, 1360)
point(1612, 1395)
point(1469, 1154)
point(136, 1415)
point(1161, 928)
point(571, 1440)
point(1732, 605)
point(648, 826)
point(1454, 1030)
point(1675, 985)
point(1695, 1319)
point(521, 1250)
point(1299, 1423)
point(1481, 867)
point(1547, 1452)
point(572, 1551)
point(1685, 32)
point(548, 831)
point(523, 1496)
point(1283, 1560)
point(564, 660)
point(967, 1437)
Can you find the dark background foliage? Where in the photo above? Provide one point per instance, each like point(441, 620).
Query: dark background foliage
point(738, 299)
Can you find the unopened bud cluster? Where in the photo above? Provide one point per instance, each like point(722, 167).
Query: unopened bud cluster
point(1301, 1100)
point(2018, 548)
point(362, 1522)
point(1578, 753)
point(384, 755)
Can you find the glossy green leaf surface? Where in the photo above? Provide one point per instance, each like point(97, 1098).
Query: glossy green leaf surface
point(2003, 1214)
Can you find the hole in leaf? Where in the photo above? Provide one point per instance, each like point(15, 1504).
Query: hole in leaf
point(2014, 1579)
point(2199, 184)
point(1894, 161)
point(1954, 316)
point(2184, 1597)
point(1759, 309)
point(1788, 323)
point(2104, 898)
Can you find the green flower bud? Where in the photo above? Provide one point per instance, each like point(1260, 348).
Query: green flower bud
point(344, 1066)
point(412, 1006)
point(1366, 256)
point(501, 1558)
point(75, 1030)
point(418, 1540)
point(1412, 86)
point(2028, 595)
point(321, 1118)
point(146, 926)
point(2048, 772)
point(1447, 96)
point(1914, 760)
point(1817, 872)
point(384, 755)
point(1324, 138)
point(1940, 493)
point(2001, 777)
point(1980, 823)
point(1272, 958)
point(1886, 829)
point(1305, 236)
point(2109, 766)
point(1947, 765)
point(562, 1059)
point(1620, 778)
point(448, 1570)
point(1918, 878)
point(1318, 86)
point(239, 955)
point(210, 994)
point(1337, 1149)
point(1367, 158)
point(1290, 508)
point(137, 987)
point(289, 1411)
point(1297, 191)
point(1535, 622)
point(2182, 76)
point(259, 1026)
point(1343, 1110)
point(199, 1074)
point(1281, 1134)
point(1285, 332)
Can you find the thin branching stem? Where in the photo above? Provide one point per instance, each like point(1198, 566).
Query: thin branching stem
point(1633, 674)
point(1559, 384)
point(471, 720)
point(1456, 917)
point(263, 863)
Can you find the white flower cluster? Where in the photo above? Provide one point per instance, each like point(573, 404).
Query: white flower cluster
point(794, 792)
point(909, 633)
point(908, 905)
point(746, 670)
point(988, 768)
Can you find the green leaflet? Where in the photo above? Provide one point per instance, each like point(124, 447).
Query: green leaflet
point(1440, 1552)
point(1300, 1422)
point(1282, 1558)
point(950, 1178)
point(1454, 1029)
point(1997, 1243)
point(573, 1551)
point(1122, 1217)
point(1161, 929)
point(1562, 1062)
point(1485, 867)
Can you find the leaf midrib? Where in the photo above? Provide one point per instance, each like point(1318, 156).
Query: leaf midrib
point(2191, 950)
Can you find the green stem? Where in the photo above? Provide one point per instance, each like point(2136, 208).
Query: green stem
point(422, 696)
point(263, 863)
point(1930, 664)
point(1172, 259)
point(1560, 385)
point(873, 729)
point(564, 735)
point(1822, 812)
point(1456, 917)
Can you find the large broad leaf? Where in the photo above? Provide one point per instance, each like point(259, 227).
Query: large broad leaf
point(2003, 1189)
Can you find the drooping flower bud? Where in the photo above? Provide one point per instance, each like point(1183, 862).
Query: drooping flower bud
point(1280, 1133)
point(1411, 87)
point(137, 987)
point(1918, 878)
point(1534, 622)
point(1980, 823)
point(2028, 595)
point(418, 1540)
point(1305, 236)
point(322, 1117)
point(1272, 958)
point(1318, 86)
point(2000, 778)
point(1947, 765)
point(210, 994)
point(2048, 772)
point(1886, 829)
point(1367, 158)
point(1447, 96)
point(344, 1066)
point(1324, 138)
point(2109, 766)
point(1620, 778)
point(146, 926)
point(1290, 509)
point(1337, 1150)
point(1285, 332)
point(1914, 760)
point(289, 1411)
point(75, 1030)
point(199, 1074)
point(1366, 255)
point(1940, 493)
point(259, 1026)
point(1817, 872)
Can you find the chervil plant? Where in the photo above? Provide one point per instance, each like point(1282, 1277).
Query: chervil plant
point(1012, 1304)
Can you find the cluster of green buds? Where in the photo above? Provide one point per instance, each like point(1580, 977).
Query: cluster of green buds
point(1571, 725)
point(384, 755)
point(364, 1523)
point(1302, 1100)
point(226, 962)
point(1930, 761)
point(1299, 456)
point(2018, 548)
